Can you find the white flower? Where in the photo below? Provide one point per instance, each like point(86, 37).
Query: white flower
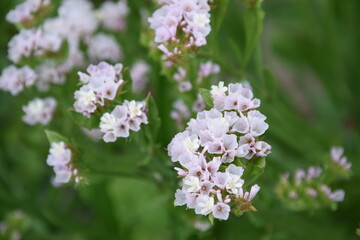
point(233, 182)
point(113, 15)
point(201, 19)
point(191, 144)
point(218, 90)
point(191, 184)
point(221, 211)
point(204, 205)
point(135, 109)
point(180, 198)
point(104, 47)
point(15, 79)
point(39, 111)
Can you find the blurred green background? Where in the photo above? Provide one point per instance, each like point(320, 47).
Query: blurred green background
point(310, 51)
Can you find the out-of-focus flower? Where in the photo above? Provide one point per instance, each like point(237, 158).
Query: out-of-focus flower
point(180, 112)
point(39, 111)
point(139, 77)
point(60, 158)
point(207, 69)
point(24, 13)
point(128, 116)
point(33, 42)
point(310, 189)
point(199, 104)
point(76, 20)
point(14, 79)
point(101, 83)
point(113, 15)
point(204, 150)
point(180, 77)
point(104, 47)
point(48, 73)
point(337, 157)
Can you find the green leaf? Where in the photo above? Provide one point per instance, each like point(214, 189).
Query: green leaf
point(55, 137)
point(82, 121)
point(253, 170)
point(211, 219)
point(219, 14)
point(206, 95)
point(253, 20)
point(152, 130)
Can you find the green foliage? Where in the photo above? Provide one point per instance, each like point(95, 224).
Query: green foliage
point(302, 62)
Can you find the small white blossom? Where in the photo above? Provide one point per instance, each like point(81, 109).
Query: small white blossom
point(39, 111)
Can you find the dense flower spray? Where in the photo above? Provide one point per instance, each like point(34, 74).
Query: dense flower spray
point(100, 84)
point(180, 26)
point(311, 189)
point(100, 88)
point(139, 77)
point(113, 15)
point(61, 159)
point(15, 79)
point(210, 149)
point(26, 12)
point(125, 117)
point(33, 42)
point(103, 47)
point(39, 111)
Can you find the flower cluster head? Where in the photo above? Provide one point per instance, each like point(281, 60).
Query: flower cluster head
point(76, 19)
point(180, 112)
point(113, 15)
point(15, 79)
point(25, 12)
point(39, 111)
point(311, 189)
point(139, 78)
point(60, 158)
point(180, 25)
point(33, 42)
point(128, 116)
point(307, 190)
point(103, 47)
point(100, 84)
point(48, 73)
point(180, 78)
point(212, 180)
point(338, 159)
point(207, 69)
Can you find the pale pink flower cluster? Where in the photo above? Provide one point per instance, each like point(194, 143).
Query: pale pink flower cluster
point(308, 184)
point(25, 11)
point(207, 69)
point(39, 111)
point(128, 116)
point(100, 84)
point(236, 97)
point(180, 112)
point(199, 104)
point(33, 42)
point(113, 15)
point(48, 73)
point(180, 23)
point(139, 78)
point(338, 159)
point(76, 19)
point(15, 79)
point(60, 156)
point(180, 78)
point(211, 141)
point(103, 47)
